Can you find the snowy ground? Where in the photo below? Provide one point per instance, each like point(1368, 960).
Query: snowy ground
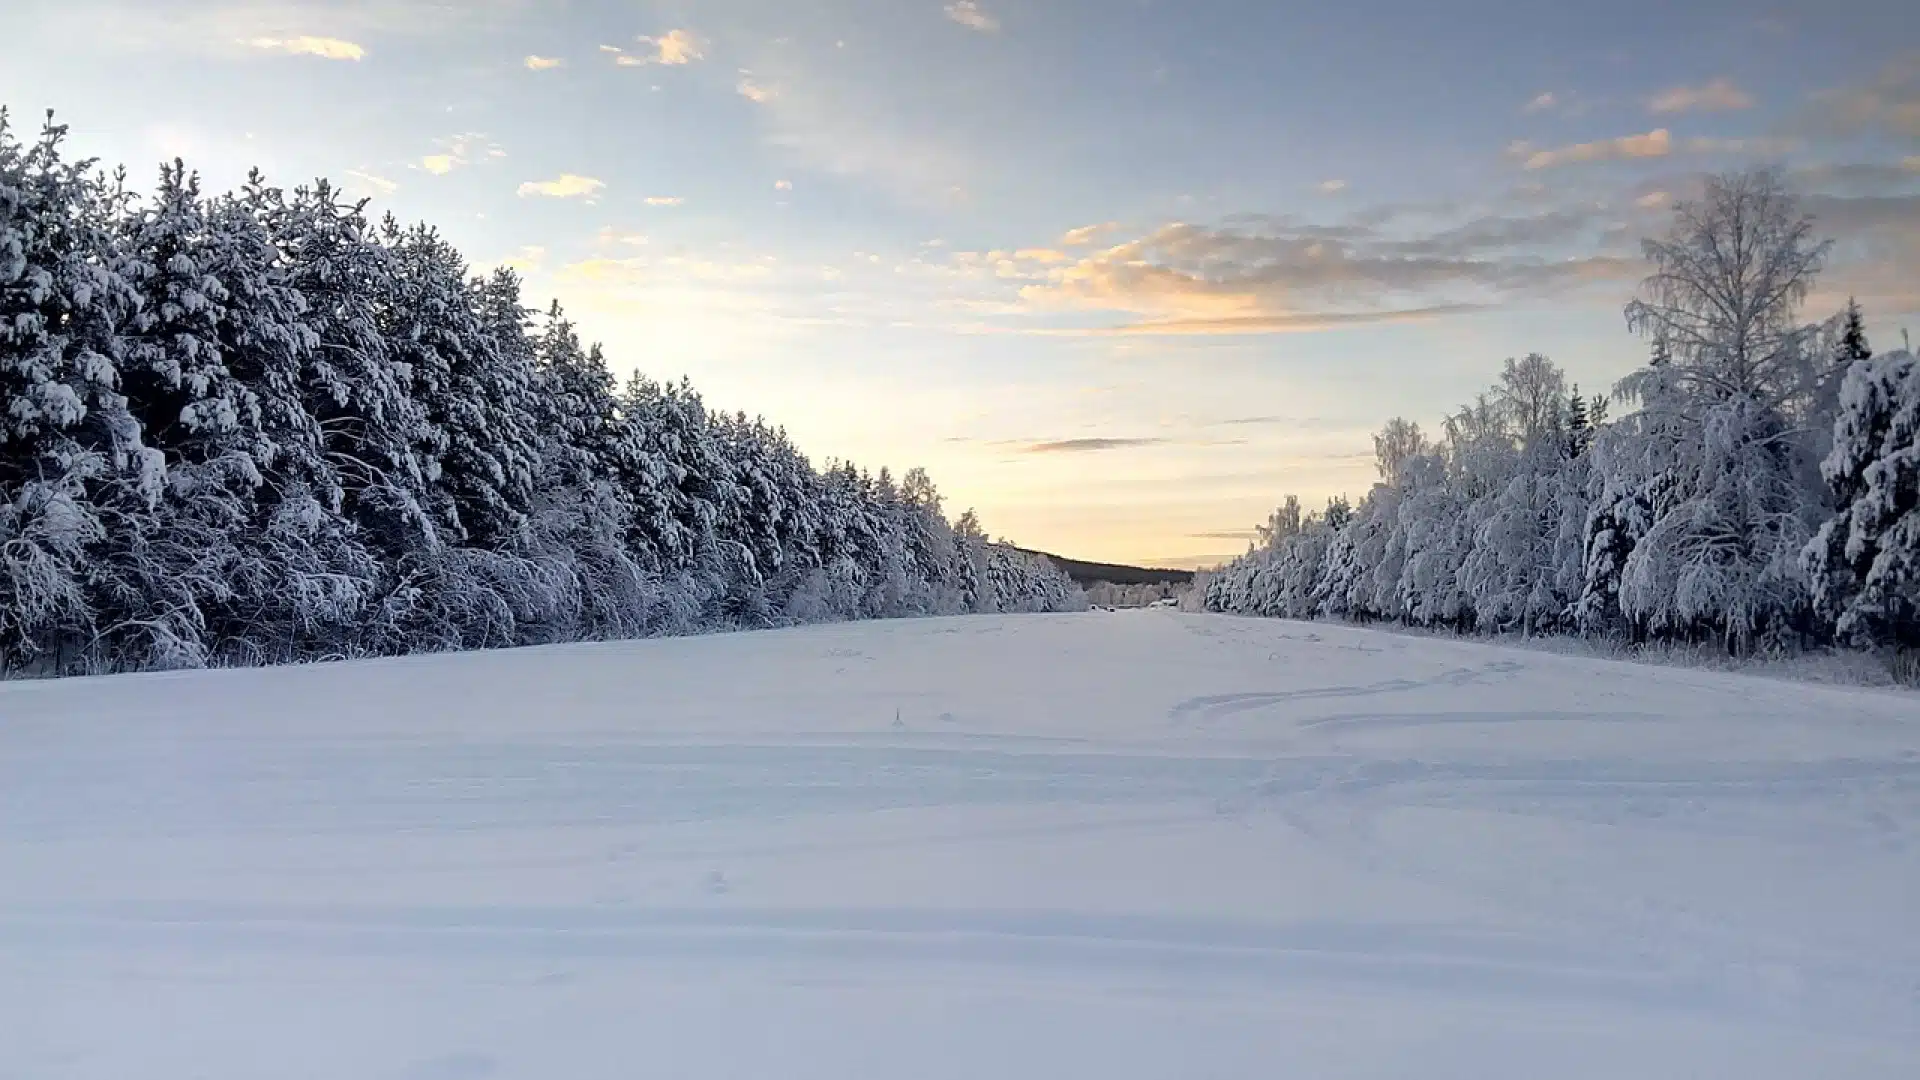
point(1135, 844)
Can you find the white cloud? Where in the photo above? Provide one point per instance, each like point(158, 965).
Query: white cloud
point(543, 63)
point(564, 186)
point(664, 200)
point(1653, 144)
point(1332, 187)
point(674, 47)
point(1653, 200)
point(1716, 95)
point(325, 48)
point(783, 185)
point(370, 183)
point(753, 91)
point(968, 14)
point(457, 151)
point(1087, 234)
point(1541, 102)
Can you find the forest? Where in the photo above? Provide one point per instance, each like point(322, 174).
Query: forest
point(258, 427)
point(1754, 485)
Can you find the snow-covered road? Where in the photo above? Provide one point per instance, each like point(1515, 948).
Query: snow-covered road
point(1108, 845)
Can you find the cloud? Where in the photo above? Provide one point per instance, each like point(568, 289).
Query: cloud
point(1086, 234)
point(1332, 187)
point(1911, 164)
point(753, 91)
point(457, 151)
point(968, 14)
point(1301, 323)
point(1714, 96)
point(1265, 274)
point(1653, 144)
point(564, 186)
point(1540, 102)
point(1653, 200)
point(674, 47)
point(1889, 104)
point(664, 200)
point(372, 184)
point(783, 185)
point(1043, 255)
point(1763, 146)
point(1079, 446)
point(325, 48)
point(543, 63)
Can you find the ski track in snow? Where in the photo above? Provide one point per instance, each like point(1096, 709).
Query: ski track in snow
point(1113, 844)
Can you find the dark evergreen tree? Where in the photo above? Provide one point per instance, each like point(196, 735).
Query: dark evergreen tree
point(1853, 346)
point(1579, 424)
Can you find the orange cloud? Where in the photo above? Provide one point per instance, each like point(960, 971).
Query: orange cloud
point(1653, 144)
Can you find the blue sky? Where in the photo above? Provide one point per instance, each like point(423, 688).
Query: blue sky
point(1120, 273)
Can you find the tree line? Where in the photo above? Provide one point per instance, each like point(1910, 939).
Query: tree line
point(258, 427)
point(1761, 488)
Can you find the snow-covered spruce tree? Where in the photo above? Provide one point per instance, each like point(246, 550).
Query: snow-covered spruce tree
point(700, 561)
point(1864, 564)
point(1726, 417)
point(304, 578)
point(355, 382)
point(174, 560)
point(970, 563)
point(766, 510)
point(590, 472)
point(472, 373)
point(67, 442)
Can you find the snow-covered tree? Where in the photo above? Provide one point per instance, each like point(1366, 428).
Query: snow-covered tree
point(1725, 413)
point(1864, 565)
point(472, 372)
point(356, 382)
point(67, 439)
point(252, 428)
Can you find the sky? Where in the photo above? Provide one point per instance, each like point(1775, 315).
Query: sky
point(1119, 273)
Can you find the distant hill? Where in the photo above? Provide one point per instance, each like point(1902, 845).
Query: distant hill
point(1088, 573)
